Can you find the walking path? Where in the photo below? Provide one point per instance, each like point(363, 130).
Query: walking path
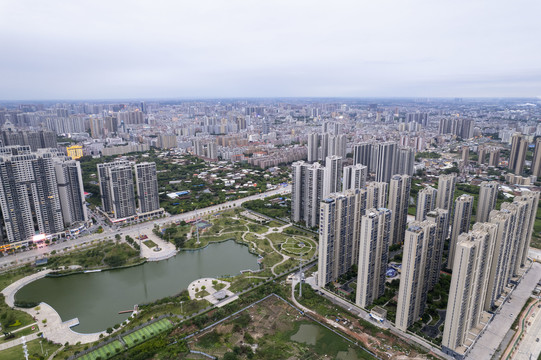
point(10, 291)
point(59, 331)
point(166, 251)
point(22, 328)
point(54, 328)
point(18, 341)
point(212, 297)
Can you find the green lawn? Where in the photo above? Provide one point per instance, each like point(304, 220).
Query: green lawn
point(105, 352)
point(150, 244)
point(147, 332)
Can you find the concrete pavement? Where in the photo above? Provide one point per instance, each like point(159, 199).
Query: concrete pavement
point(490, 340)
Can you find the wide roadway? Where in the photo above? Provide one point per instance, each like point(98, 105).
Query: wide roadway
point(133, 230)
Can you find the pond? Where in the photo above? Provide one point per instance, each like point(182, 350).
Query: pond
point(96, 298)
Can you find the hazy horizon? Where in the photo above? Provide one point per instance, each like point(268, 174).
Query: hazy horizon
point(63, 50)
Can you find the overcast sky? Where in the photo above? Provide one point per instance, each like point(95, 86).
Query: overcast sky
point(78, 49)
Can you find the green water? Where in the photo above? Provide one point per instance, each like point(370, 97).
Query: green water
point(307, 334)
point(96, 298)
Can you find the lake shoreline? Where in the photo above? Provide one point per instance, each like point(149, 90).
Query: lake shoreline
point(91, 300)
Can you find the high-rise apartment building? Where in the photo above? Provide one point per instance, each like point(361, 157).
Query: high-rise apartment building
point(167, 141)
point(97, 127)
point(362, 153)
point(494, 157)
point(530, 199)
point(70, 190)
point(32, 198)
point(338, 234)
point(385, 157)
point(307, 192)
point(446, 191)
point(467, 292)
point(416, 271)
point(517, 158)
point(481, 154)
point(440, 218)
point(426, 202)
point(399, 194)
point(116, 189)
point(536, 160)
point(465, 155)
point(499, 275)
point(42, 139)
point(313, 147)
point(146, 180)
point(459, 127)
point(461, 223)
point(337, 146)
point(405, 163)
point(332, 175)
point(323, 151)
point(122, 191)
point(354, 177)
point(373, 255)
point(488, 194)
point(376, 194)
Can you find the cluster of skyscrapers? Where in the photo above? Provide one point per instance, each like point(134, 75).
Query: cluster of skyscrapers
point(460, 127)
point(118, 192)
point(358, 225)
point(41, 139)
point(41, 192)
point(384, 159)
point(485, 262)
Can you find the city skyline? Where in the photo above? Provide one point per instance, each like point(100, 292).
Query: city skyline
point(278, 49)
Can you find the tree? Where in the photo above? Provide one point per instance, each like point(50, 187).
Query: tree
point(230, 356)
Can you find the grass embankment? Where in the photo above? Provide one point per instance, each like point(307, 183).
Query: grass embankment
point(12, 319)
point(105, 254)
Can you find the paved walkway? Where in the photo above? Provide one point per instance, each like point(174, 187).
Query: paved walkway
point(196, 286)
point(167, 249)
point(54, 329)
point(57, 330)
point(10, 290)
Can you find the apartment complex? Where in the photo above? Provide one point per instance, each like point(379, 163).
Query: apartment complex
point(41, 192)
point(118, 193)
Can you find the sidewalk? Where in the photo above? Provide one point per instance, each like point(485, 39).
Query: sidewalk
point(10, 291)
point(18, 341)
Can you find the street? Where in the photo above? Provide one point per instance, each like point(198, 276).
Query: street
point(133, 231)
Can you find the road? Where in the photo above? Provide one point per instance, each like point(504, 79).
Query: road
point(134, 230)
point(491, 339)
